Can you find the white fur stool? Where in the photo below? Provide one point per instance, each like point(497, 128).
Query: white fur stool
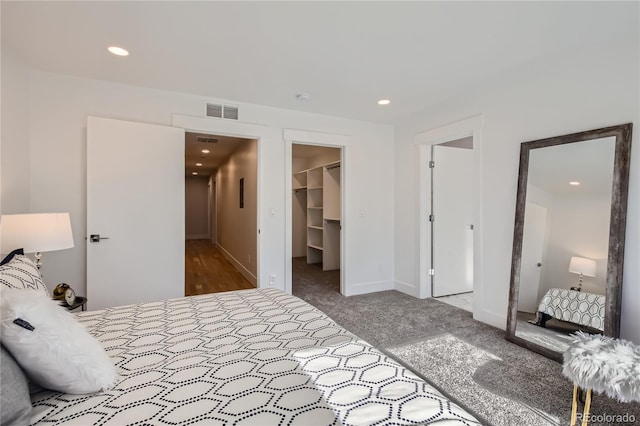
point(602, 364)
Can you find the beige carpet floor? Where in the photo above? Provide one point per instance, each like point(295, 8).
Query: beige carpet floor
point(500, 382)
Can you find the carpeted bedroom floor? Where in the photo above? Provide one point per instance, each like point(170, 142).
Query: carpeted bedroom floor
point(502, 383)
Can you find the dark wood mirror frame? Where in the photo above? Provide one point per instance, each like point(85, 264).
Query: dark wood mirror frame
point(615, 258)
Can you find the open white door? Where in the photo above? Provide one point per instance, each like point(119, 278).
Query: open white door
point(135, 205)
point(453, 220)
point(535, 222)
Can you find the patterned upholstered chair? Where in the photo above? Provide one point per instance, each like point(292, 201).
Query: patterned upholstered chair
point(602, 364)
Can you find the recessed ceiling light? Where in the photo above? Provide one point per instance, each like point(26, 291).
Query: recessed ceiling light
point(118, 51)
point(194, 173)
point(205, 151)
point(198, 164)
point(384, 102)
point(574, 183)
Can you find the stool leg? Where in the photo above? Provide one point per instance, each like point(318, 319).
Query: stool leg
point(574, 405)
point(587, 407)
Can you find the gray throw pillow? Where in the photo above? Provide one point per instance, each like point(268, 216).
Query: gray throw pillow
point(15, 403)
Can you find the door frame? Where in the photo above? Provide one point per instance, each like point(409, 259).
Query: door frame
point(240, 130)
point(461, 129)
point(330, 140)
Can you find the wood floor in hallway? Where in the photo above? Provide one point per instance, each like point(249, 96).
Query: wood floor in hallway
point(208, 271)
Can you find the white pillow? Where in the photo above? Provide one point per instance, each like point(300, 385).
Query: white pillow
point(58, 353)
point(22, 273)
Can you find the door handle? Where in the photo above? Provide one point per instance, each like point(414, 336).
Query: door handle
point(95, 238)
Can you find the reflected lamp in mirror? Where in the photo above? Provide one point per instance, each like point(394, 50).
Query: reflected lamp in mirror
point(583, 267)
point(35, 233)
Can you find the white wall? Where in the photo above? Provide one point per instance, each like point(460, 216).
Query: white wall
point(196, 211)
point(326, 156)
point(59, 109)
point(237, 227)
point(577, 91)
point(579, 226)
point(14, 161)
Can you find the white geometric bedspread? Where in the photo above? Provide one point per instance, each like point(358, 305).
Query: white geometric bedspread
point(250, 357)
point(578, 307)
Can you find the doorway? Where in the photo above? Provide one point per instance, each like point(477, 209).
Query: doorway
point(451, 221)
point(469, 127)
point(316, 219)
point(220, 213)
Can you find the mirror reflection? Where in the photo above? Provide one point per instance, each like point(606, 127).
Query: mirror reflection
point(565, 242)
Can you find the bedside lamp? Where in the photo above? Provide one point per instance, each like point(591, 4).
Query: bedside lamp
point(582, 266)
point(35, 233)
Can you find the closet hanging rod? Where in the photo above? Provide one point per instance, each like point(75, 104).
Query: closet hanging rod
point(335, 166)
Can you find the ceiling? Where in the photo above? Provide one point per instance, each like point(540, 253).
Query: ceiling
point(345, 55)
point(219, 151)
point(589, 162)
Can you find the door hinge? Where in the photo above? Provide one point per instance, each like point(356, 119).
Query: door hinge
point(432, 272)
point(432, 218)
point(432, 164)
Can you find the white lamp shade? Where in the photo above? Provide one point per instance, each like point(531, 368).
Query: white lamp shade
point(35, 232)
point(584, 266)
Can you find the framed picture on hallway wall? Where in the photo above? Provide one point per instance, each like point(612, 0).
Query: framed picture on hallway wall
point(241, 193)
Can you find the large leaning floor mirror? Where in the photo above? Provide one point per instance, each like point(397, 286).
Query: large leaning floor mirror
point(568, 247)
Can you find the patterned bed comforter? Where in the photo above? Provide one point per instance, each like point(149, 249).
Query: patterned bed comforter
point(251, 357)
point(577, 307)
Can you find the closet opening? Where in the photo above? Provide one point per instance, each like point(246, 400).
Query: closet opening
point(316, 219)
point(221, 242)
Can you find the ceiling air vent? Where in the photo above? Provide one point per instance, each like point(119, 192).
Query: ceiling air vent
point(222, 111)
point(204, 139)
point(230, 112)
point(214, 110)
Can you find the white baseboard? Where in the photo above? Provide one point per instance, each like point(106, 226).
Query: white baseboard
point(198, 237)
point(406, 288)
point(372, 287)
point(239, 266)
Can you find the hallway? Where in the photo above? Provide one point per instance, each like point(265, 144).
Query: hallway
point(208, 271)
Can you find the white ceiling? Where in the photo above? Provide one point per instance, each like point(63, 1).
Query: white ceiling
point(589, 162)
point(219, 151)
point(346, 55)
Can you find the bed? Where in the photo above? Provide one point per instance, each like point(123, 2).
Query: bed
point(573, 306)
point(258, 357)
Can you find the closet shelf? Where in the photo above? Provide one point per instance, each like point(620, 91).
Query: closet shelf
point(321, 204)
point(332, 165)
